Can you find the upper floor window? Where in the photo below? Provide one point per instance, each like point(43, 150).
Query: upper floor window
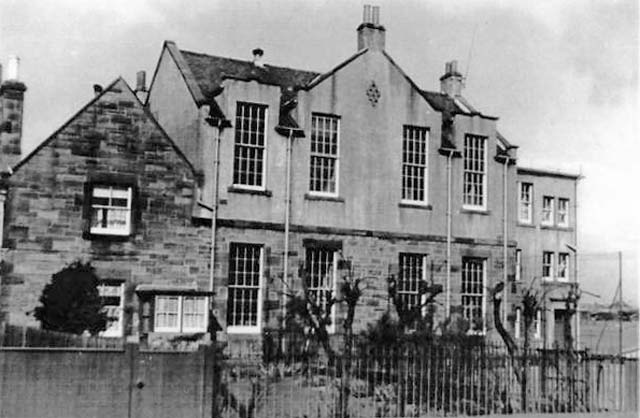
point(547, 210)
point(475, 171)
point(547, 265)
point(563, 212)
point(111, 210)
point(411, 273)
point(323, 175)
point(180, 313)
point(250, 145)
point(563, 266)
point(414, 163)
point(244, 300)
point(321, 268)
point(537, 325)
point(525, 211)
point(473, 295)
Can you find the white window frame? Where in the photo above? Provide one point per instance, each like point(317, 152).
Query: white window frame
point(473, 171)
point(563, 211)
point(566, 262)
point(262, 185)
point(249, 329)
point(517, 323)
point(335, 157)
point(483, 295)
point(548, 265)
point(537, 325)
point(107, 191)
point(332, 286)
point(548, 211)
point(116, 290)
point(408, 293)
point(416, 131)
point(179, 327)
point(525, 203)
point(518, 265)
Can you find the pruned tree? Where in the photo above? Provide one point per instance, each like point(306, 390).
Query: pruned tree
point(71, 302)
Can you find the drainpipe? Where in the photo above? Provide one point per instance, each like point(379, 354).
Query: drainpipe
point(287, 222)
point(447, 300)
point(505, 187)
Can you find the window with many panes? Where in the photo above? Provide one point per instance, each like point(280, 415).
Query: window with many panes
point(518, 264)
point(525, 211)
point(517, 325)
point(537, 325)
point(410, 274)
point(414, 163)
point(563, 212)
point(321, 277)
point(547, 265)
point(475, 171)
point(110, 210)
point(563, 266)
point(180, 313)
point(112, 296)
point(547, 210)
point(323, 175)
point(473, 283)
point(250, 145)
point(244, 300)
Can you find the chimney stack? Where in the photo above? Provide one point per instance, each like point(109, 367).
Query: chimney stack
point(141, 86)
point(371, 34)
point(451, 82)
point(11, 114)
point(257, 57)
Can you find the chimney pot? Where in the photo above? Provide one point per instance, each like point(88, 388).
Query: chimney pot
point(13, 68)
point(0, 73)
point(258, 53)
point(141, 81)
point(451, 81)
point(371, 34)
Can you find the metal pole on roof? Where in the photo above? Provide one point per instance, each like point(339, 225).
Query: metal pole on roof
point(620, 327)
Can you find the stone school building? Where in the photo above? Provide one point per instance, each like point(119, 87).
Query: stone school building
point(277, 169)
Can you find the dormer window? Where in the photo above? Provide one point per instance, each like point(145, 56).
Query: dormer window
point(110, 210)
point(250, 146)
point(414, 164)
point(475, 172)
point(323, 173)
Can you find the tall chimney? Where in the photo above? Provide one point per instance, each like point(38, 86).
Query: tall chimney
point(451, 82)
point(371, 34)
point(141, 86)
point(11, 114)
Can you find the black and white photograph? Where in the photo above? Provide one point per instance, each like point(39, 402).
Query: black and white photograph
point(319, 208)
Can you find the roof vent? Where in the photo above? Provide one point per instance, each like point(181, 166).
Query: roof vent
point(97, 89)
point(257, 57)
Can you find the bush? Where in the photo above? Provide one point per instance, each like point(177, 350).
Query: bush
point(71, 302)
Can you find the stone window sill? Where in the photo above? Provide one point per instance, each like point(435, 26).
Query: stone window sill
point(311, 196)
point(242, 190)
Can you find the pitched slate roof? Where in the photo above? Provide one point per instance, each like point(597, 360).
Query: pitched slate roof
point(209, 71)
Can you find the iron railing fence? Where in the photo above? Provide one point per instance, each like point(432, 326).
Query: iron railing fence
point(293, 377)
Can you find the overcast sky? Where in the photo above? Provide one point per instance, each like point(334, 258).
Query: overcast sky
point(561, 75)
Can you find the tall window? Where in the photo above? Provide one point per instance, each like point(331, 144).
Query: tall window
point(411, 273)
point(414, 163)
point(547, 265)
point(111, 210)
point(518, 265)
point(563, 212)
point(563, 266)
point(321, 269)
point(517, 325)
point(526, 203)
point(244, 302)
point(249, 151)
point(324, 154)
point(537, 324)
point(475, 171)
point(112, 296)
point(180, 313)
point(547, 210)
point(473, 282)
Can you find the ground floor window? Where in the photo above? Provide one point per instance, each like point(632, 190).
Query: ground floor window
point(244, 302)
point(411, 273)
point(180, 313)
point(112, 295)
point(473, 295)
point(321, 268)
